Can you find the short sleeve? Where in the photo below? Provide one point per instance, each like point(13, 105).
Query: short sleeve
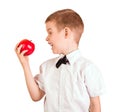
point(94, 81)
point(39, 78)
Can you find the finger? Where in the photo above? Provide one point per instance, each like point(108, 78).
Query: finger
point(18, 49)
point(23, 52)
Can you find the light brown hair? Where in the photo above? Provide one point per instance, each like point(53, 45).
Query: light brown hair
point(67, 18)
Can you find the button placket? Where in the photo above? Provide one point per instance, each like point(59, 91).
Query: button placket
point(61, 90)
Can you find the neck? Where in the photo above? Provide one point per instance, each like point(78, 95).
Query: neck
point(70, 49)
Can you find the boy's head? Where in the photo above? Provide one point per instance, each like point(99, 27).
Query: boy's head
point(65, 20)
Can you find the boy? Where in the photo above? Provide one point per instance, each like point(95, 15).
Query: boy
point(69, 82)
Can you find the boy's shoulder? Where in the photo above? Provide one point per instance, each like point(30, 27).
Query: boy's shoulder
point(51, 61)
point(85, 63)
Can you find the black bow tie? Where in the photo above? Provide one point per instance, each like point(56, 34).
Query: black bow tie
point(63, 60)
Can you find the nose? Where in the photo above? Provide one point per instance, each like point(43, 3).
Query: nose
point(47, 38)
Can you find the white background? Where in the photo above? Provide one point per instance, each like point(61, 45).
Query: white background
point(21, 19)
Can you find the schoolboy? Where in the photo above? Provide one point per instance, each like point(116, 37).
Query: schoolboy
point(69, 82)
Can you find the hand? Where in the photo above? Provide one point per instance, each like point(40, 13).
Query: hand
point(23, 59)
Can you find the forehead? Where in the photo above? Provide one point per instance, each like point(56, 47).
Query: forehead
point(51, 25)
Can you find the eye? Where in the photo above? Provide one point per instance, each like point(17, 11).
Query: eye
point(50, 33)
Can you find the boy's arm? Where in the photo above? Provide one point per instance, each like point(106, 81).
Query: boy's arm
point(95, 104)
point(34, 91)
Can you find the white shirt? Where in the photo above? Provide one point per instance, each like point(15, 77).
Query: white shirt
point(69, 87)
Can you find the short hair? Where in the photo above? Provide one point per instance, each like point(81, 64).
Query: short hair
point(67, 18)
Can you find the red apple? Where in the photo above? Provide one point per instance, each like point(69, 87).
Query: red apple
point(27, 45)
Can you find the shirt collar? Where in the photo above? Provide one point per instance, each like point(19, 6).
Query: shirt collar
point(73, 56)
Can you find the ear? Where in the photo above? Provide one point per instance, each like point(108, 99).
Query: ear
point(67, 32)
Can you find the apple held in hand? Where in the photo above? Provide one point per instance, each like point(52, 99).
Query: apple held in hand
point(27, 45)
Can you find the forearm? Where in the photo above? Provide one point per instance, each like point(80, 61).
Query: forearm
point(34, 91)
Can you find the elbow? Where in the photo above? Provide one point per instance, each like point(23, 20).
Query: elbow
point(35, 99)
point(36, 96)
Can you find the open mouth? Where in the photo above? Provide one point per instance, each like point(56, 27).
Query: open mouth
point(50, 44)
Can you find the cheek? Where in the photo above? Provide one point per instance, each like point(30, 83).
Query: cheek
point(58, 41)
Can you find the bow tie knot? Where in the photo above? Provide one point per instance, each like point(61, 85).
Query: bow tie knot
point(63, 60)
